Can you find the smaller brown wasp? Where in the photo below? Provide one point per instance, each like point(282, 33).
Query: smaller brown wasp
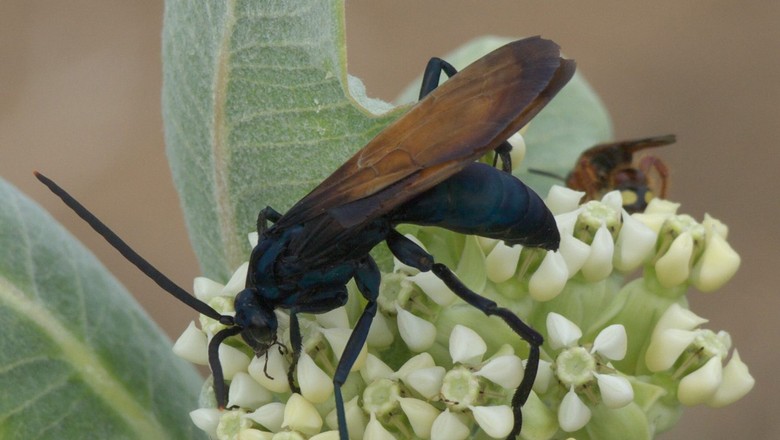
point(610, 166)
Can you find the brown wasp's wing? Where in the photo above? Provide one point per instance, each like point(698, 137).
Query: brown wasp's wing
point(467, 116)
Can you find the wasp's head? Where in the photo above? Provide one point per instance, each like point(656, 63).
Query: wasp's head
point(257, 321)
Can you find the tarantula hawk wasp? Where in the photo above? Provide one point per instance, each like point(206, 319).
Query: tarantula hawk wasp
point(421, 169)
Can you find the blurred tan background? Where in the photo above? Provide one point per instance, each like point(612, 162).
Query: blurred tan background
point(80, 100)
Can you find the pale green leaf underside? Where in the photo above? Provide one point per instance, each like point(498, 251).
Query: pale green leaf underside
point(78, 357)
point(257, 113)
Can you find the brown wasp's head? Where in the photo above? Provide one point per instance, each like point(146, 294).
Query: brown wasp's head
point(257, 321)
point(634, 187)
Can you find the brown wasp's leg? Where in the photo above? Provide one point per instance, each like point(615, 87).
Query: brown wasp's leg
point(413, 255)
point(647, 163)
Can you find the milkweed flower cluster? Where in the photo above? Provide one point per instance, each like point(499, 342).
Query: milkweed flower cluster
point(622, 352)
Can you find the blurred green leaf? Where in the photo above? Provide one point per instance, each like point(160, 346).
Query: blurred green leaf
point(79, 359)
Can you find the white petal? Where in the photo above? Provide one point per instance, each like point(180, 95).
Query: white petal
point(192, 345)
point(253, 238)
point(574, 252)
point(563, 333)
point(678, 317)
point(599, 263)
point(501, 262)
point(561, 199)
point(420, 414)
point(635, 244)
point(426, 381)
point(567, 221)
point(277, 369)
point(327, 435)
point(422, 360)
point(715, 227)
point(544, 377)
point(434, 288)
point(232, 360)
point(666, 347)
point(572, 414)
point(375, 430)
point(616, 391)
point(301, 415)
point(254, 434)
point(336, 318)
point(496, 421)
point(337, 338)
point(611, 342)
point(246, 392)
point(418, 333)
point(205, 289)
point(661, 206)
point(716, 266)
point(374, 369)
point(506, 371)
point(237, 282)
point(270, 416)
point(206, 419)
point(448, 427)
point(380, 335)
point(466, 346)
point(316, 385)
point(613, 199)
point(737, 382)
point(674, 267)
point(550, 278)
point(701, 385)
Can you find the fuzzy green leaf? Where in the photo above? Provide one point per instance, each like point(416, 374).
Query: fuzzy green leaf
point(78, 357)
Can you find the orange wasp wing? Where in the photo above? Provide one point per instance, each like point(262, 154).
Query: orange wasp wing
point(467, 116)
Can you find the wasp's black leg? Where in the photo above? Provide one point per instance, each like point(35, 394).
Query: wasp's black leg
point(431, 80)
point(220, 390)
point(316, 302)
point(432, 73)
point(367, 278)
point(413, 255)
point(264, 216)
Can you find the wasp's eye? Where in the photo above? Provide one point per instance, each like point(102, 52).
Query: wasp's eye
point(257, 321)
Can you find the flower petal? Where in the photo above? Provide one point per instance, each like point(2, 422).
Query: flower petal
point(506, 371)
point(563, 333)
point(246, 392)
point(674, 267)
point(206, 419)
point(716, 266)
point(561, 199)
point(466, 346)
point(611, 342)
point(572, 414)
point(276, 368)
point(599, 263)
point(418, 333)
point(270, 416)
point(421, 415)
point(192, 345)
point(316, 385)
point(574, 251)
point(375, 430)
point(635, 243)
point(434, 288)
point(301, 415)
point(497, 421)
point(205, 289)
point(448, 426)
point(338, 338)
point(666, 347)
point(550, 278)
point(544, 377)
point(501, 262)
point(737, 382)
point(232, 360)
point(426, 381)
point(380, 335)
point(616, 391)
point(701, 385)
point(374, 369)
point(336, 318)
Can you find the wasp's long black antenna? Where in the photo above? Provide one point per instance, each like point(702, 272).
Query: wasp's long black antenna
point(158, 277)
point(546, 174)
